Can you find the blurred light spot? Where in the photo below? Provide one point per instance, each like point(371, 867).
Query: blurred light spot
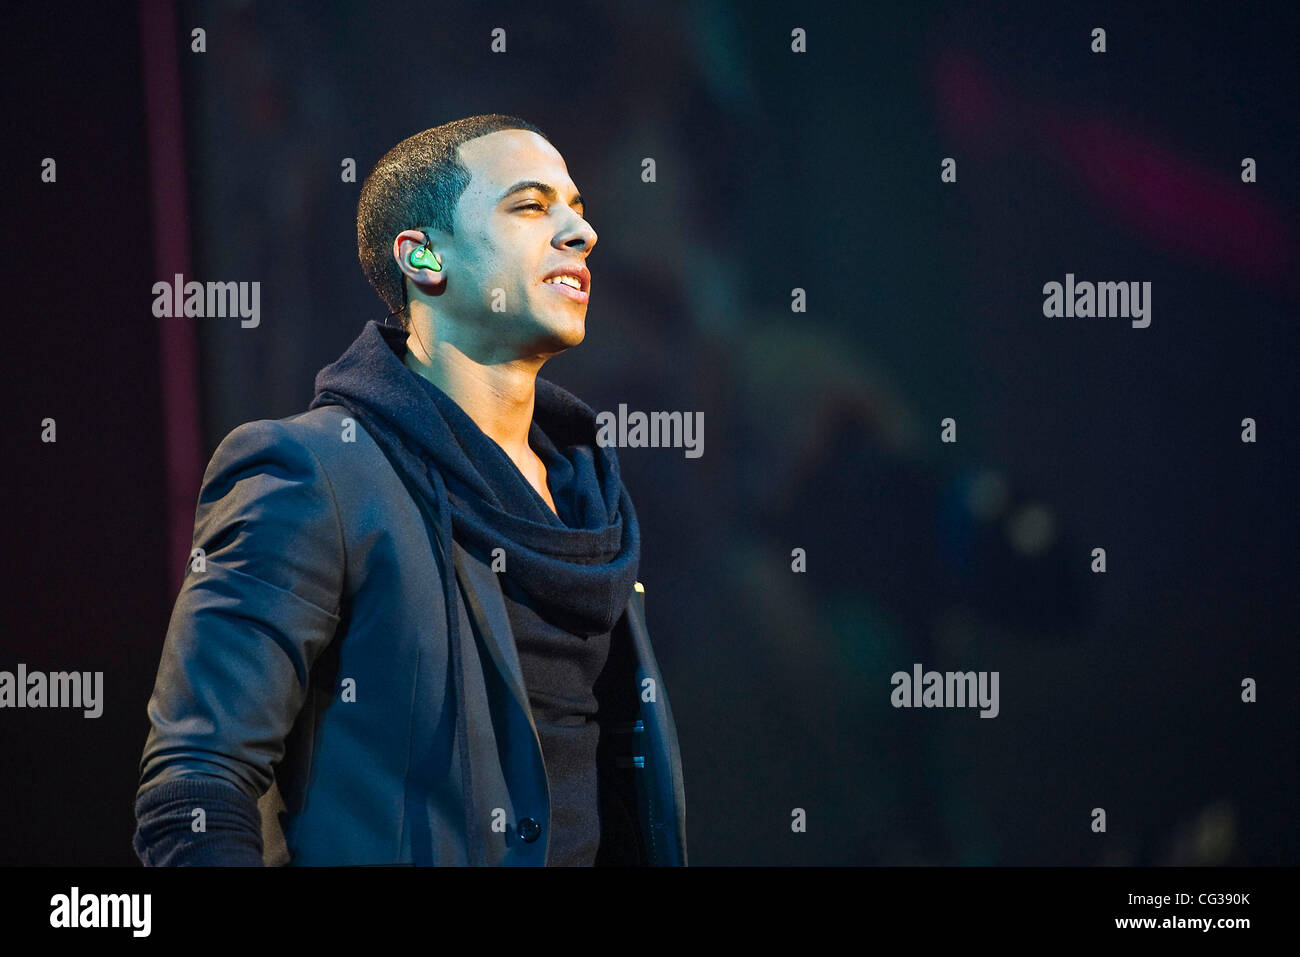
point(1216, 833)
point(1031, 529)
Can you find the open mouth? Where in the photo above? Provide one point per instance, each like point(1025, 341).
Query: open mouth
point(567, 285)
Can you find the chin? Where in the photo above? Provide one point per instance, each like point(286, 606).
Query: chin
point(552, 333)
point(570, 333)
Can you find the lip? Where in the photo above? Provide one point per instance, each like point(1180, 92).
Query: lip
point(572, 269)
point(569, 291)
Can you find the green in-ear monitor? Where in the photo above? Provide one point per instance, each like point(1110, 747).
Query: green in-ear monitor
point(425, 258)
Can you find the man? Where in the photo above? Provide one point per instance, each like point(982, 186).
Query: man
point(411, 632)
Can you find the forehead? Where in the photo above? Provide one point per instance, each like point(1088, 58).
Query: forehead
point(500, 159)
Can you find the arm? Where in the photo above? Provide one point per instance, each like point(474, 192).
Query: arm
point(166, 832)
point(244, 634)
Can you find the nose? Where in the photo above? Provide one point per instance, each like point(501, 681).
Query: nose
point(579, 235)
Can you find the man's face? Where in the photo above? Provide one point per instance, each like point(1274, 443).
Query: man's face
point(508, 240)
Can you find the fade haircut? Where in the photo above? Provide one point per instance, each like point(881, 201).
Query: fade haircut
point(416, 185)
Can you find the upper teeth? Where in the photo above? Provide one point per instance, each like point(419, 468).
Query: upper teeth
point(573, 281)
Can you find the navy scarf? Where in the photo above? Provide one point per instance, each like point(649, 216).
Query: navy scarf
point(578, 571)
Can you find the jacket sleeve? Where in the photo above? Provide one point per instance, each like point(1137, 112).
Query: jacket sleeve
point(257, 606)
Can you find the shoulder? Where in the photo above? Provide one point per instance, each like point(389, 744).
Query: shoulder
point(268, 513)
point(318, 441)
point(325, 453)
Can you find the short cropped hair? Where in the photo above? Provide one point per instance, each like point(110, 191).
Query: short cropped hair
point(417, 185)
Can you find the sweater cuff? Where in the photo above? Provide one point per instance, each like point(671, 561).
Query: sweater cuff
point(167, 832)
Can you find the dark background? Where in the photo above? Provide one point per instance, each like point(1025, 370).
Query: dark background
point(775, 170)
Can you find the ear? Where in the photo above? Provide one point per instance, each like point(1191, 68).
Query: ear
point(427, 281)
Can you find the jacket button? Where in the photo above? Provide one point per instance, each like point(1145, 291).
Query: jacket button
point(529, 829)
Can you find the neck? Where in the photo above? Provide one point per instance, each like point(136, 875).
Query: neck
point(498, 397)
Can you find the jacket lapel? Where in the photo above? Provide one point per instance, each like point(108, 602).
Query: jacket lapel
point(487, 607)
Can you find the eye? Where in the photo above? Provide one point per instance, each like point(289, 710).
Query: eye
point(531, 206)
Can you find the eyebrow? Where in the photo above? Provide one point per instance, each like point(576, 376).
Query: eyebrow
point(545, 189)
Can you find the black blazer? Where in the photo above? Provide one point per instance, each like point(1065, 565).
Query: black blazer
point(306, 663)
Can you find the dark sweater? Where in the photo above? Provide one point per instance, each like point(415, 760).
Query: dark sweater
point(165, 825)
point(559, 669)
